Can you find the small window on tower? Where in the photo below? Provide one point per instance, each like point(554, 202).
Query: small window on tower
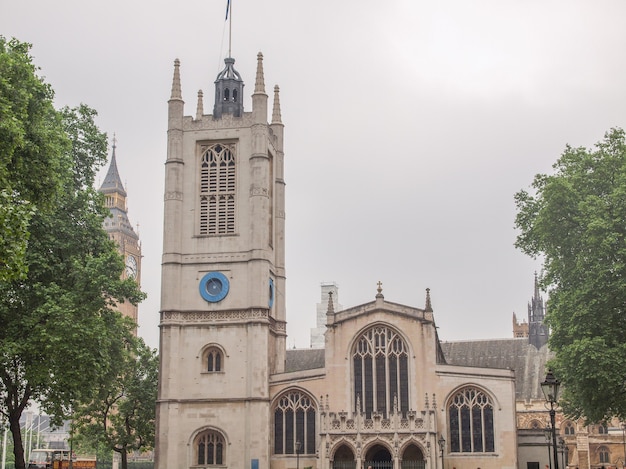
point(226, 94)
point(235, 95)
point(213, 360)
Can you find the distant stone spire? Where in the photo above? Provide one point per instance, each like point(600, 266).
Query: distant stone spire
point(176, 89)
point(259, 83)
point(276, 118)
point(200, 106)
point(112, 181)
point(429, 306)
point(115, 196)
point(538, 332)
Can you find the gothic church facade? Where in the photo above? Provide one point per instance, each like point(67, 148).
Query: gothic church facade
point(379, 392)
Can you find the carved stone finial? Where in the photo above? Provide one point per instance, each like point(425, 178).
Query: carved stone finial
point(331, 308)
point(429, 306)
point(379, 290)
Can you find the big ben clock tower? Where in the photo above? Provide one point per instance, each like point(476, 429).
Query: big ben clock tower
point(121, 231)
point(223, 328)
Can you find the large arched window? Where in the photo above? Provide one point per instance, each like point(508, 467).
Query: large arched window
point(217, 189)
point(294, 421)
point(381, 372)
point(209, 449)
point(470, 413)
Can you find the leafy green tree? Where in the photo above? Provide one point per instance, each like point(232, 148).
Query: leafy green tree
point(32, 152)
point(122, 414)
point(575, 220)
point(61, 331)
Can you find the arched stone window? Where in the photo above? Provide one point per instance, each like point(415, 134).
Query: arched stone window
point(470, 413)
point(381, 372)
point(569, 428)
point(294, 421)
point(217, 189)
point(603, 429)
point(214, 359)
point(209, 449)
point(603, 453)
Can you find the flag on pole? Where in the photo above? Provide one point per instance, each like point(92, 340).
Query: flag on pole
point(227, 8)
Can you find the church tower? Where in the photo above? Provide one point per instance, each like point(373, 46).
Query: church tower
point(120, 230)
point(222, 327)
point(538, 332)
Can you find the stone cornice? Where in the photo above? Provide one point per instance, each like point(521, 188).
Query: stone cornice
point(225, 317)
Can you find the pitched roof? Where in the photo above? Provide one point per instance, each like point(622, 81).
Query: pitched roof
point(516, 354)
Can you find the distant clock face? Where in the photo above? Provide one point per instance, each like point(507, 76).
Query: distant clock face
point(214, 287)
point(131, 266)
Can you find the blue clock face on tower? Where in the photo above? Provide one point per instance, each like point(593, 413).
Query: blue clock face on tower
point(214, 287)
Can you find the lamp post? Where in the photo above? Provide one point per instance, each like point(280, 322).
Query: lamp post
point(563, 450)
point(550, 389)
point(547, 432)
point(298, 446)
point(442, 446)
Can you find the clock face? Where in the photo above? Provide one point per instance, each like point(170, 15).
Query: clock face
point(214, 287)
point(131, 266)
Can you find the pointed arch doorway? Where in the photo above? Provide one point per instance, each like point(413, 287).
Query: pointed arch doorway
point(378, 457)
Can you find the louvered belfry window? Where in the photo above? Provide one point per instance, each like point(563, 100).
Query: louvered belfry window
point(217, 189)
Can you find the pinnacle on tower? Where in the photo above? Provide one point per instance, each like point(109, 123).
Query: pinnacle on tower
point(176, 90)
point(200, 106)
point(276, 118)
point(259, 83)
point(429, 306)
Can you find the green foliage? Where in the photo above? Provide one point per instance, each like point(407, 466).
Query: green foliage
point(121, 416)
point(576, 221)
point(61, 334)
point(32, 153)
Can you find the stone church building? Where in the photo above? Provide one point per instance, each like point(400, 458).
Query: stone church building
point(377, 387)
point(383, 391)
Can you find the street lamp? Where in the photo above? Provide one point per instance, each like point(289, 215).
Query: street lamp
point(298, 446)
point(550, 389)
point(563, 449)
point(547, 432)
point(442, 446)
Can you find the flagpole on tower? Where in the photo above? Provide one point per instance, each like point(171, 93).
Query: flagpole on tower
point(230, 25)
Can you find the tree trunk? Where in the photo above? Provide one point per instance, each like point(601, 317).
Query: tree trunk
point(124, 455)
point(18, 445)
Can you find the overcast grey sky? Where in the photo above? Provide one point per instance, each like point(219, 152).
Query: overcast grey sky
point(409, 126)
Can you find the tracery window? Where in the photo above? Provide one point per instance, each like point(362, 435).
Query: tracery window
point(217, 189)
point(294, 421)
point(471, 422)
point(603, 429)
point(213, 360)
point(381, 372)
point(209, 447)
point(569, 429)
point(603, 452)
